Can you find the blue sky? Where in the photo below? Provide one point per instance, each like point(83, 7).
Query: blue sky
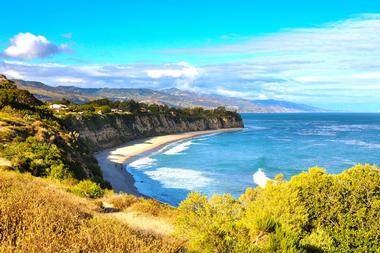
point(325, 53)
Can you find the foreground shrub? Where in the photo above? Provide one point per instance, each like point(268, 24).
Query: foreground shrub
point(123, 201)
point(154, 208)
point(313, 212)
point(213, 225)
point(87, 188)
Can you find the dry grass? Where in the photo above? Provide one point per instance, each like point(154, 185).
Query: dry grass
point(38, 216)
point(135, 204)
point(122, 201)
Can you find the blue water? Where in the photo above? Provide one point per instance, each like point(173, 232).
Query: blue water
point(270, 144)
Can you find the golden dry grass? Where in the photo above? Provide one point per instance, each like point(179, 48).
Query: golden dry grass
point(145, 215)
point(152, 207)
point(38, 216)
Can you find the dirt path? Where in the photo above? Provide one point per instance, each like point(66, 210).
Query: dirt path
point(5, 162)
point(142, 222)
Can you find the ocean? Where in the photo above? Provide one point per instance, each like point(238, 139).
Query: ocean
point(269, 145)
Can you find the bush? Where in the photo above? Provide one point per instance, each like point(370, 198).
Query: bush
point(213, 225)
point(123, 201)
point(153, 207)
point(313, 212)
point(88, 189)
point(37, 157)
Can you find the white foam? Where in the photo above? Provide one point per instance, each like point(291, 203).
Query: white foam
point(179, 178)
point(361, 143)
point(332, 130)
point(178, 149)
point(142, 162)
point(260, 178)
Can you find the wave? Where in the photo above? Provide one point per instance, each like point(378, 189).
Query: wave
point(141, 163)
point(260, 178)
point(316, 132)
point(361, 143)
point(256, 128)
point(178, 149)
point(179, 178)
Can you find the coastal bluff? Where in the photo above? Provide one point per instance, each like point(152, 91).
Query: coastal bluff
point(110, 130)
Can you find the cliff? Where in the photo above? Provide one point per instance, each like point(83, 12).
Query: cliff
point(109, 130)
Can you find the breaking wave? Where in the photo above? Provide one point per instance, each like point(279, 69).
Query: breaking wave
point(142, 163)
point(178, 149)
point(260, 178)
point(179, 178)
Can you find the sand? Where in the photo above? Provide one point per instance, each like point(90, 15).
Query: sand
point(112, 160)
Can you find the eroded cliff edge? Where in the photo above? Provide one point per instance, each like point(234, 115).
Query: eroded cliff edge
point(110, 130)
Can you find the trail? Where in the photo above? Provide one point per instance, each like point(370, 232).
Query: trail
point(142, 222)
point(5, 162)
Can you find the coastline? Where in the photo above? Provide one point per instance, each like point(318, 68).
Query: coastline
point(111, 161)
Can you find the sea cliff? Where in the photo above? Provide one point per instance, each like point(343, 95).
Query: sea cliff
point(110, 130)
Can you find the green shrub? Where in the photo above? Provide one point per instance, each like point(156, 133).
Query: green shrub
point(313, 212)
point(37, 157)
point(87, 188)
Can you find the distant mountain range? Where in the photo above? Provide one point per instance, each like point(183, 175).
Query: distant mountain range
point(170, 97)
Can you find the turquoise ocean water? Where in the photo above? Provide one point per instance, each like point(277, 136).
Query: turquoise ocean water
point(270, 144)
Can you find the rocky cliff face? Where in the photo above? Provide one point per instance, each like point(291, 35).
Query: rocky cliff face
point(110, 130)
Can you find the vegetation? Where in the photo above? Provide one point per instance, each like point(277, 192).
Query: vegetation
point(152, 207)
point(35, 140)
point(36, 215)
point(89, 189)
point(313, 212)
point(105, 106)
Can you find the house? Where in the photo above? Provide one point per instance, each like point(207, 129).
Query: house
point(58, 107)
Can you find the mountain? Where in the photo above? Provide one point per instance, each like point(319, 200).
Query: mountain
point(278, 104)
point(171, 97)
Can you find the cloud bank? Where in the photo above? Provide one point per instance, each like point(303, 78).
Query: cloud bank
point(334, 66)
point(27, 46)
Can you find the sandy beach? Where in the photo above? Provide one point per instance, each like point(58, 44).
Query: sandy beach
point(111, 161)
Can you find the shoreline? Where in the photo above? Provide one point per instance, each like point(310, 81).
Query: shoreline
point(112, 161)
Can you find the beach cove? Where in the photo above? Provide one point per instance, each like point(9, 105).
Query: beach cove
point(113, 160)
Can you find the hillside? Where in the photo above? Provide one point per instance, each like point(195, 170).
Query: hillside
point(60, 143)
point(53, 196)
point(313, 212)
point(40, 215)
point(171, 97)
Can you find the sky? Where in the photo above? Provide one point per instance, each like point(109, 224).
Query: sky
point(325, 53)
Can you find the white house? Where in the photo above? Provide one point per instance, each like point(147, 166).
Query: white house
point(58, 107)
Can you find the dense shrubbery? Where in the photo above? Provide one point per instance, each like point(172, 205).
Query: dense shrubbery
point(313, 212)
point(20, 99)
point(88, 189)
point(38, 158)
point(131, 106)
point(35, 141)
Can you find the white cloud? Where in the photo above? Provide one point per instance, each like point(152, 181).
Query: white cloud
point(12, 74)
point(367, 75)
point(27, 46)
point(70, 80)
point(181, 69)
point(229, 93)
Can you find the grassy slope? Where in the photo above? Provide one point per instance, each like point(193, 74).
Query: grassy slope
point(39, 215)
